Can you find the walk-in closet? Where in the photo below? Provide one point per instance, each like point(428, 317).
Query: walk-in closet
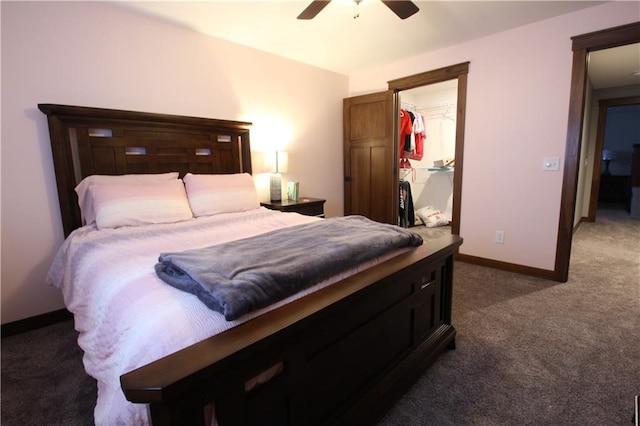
point(427, 154)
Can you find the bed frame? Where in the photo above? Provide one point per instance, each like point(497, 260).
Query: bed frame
point(342, 355)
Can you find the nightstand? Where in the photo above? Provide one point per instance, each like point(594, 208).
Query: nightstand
point(614, 189)
point(305, 205)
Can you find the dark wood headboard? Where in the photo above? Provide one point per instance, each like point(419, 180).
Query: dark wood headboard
point(89, 141)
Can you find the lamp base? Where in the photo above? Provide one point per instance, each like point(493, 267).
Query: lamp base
point(606, 168)
point(275, 187)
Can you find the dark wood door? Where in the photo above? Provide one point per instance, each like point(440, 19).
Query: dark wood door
point(370, 156)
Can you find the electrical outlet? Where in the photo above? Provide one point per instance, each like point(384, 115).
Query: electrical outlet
point(500, 237)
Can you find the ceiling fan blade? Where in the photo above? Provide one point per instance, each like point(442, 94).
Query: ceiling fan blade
point(313, 9)
point(403, 9)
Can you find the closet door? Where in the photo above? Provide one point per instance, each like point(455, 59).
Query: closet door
point(370, 156)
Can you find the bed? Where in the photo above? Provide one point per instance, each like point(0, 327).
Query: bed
point(338, 352)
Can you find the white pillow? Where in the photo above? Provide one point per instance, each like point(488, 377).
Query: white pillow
point(133, 204)
point(432, 217)
point(214, 194)
point(86, 203)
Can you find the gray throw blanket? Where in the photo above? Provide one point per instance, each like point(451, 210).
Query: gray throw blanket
point(240, 276)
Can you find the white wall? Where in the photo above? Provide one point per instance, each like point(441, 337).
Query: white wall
point(517, 109)
point(94, 54)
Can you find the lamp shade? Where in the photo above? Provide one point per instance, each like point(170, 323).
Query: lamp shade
point(276, 162)
point(608, 154)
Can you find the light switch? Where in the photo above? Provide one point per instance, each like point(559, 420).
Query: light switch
point(551, 164)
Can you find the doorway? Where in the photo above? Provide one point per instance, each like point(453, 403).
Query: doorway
point(606, 186)
point(582, 45)
point(459, 73)
point(427, 156)
point(371, 157)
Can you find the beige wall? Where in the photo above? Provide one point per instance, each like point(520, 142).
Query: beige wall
point(93, 54)
point(517, 109)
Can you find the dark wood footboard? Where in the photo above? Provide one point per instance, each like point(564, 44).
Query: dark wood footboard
point(341, 355)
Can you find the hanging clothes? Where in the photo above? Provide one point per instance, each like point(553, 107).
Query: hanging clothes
point(406, 212)
point(412, 135)
point(406, 130)
point(419, 133)
point(410, 141)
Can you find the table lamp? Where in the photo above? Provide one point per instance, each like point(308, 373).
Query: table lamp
point(276, 162)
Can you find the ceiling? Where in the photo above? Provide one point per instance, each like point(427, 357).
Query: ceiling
point(619, 66)
point(336, 41)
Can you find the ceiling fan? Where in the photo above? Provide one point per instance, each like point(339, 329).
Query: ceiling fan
point(403, 9)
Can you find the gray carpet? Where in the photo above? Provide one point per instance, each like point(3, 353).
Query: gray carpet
point(43, 380)
point(534, 352)
point(529, 351)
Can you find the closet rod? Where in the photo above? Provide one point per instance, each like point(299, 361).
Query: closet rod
point(410, 105)
point(429, 108)
point(440, 116)
point(441, 106)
